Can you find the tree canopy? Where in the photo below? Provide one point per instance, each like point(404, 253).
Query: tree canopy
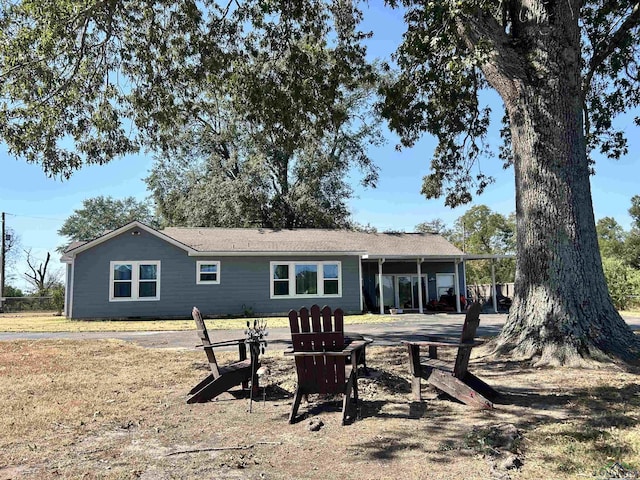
point(272, 99)
point(246, 175)
point(100, 215)
point(454, 51)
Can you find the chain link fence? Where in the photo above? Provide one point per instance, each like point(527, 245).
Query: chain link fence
point(27, 304)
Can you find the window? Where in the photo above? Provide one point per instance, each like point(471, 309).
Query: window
point(207, 272)
point(305, 279)
point(134, 281)
point(280, 280)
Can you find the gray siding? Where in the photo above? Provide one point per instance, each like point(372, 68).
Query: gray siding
point(244, 282)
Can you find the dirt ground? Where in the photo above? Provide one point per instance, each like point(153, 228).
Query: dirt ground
point(109, 409)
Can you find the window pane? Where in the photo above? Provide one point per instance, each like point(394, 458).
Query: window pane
point(330, 271)
point(208, 277)
point(122, 272)
point(281, 288)
point(148, 272)
point(213, 268)
point(122, 289)
point(281, 272)
point(330, 287)
point(306, 279)
point(147, 289)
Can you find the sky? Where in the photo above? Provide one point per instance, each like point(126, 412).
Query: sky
point(37, 206)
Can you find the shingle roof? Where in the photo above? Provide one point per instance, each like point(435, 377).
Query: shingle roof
point(313, 240)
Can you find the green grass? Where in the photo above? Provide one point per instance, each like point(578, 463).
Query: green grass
point(42, 322)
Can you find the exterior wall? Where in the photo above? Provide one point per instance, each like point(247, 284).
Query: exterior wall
point(244, 282)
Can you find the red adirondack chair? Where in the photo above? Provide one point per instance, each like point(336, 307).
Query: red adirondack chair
point(223, 378)
point(324, 364)
point(453, 379)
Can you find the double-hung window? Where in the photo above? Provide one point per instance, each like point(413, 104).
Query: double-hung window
point(306, 279)
point(134, 281)
point(207, 272)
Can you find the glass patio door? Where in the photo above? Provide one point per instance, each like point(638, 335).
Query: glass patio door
point(388, 291)
point(405, 292)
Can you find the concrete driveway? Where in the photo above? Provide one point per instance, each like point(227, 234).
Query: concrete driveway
point(407, 327)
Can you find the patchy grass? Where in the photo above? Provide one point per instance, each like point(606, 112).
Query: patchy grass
point(47, 322)
point(113, 410)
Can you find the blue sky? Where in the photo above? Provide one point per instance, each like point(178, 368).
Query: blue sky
point(36, 206)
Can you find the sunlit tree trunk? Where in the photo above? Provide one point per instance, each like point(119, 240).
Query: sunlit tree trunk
point(562, 312)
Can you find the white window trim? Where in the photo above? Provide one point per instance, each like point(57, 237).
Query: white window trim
point(207, 282)
point(292, 279)
point(135, 280)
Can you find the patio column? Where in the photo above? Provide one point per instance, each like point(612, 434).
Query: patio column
point(419, 261)
point(380, 286)
point(362, 304)
point(493, 286)
point(456, 285)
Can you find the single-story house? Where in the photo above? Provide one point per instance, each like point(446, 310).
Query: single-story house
point(139, 272)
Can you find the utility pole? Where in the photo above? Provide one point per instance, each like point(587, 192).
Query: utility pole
point(4, 251)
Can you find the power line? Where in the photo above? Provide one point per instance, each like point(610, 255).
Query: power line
point(34, 218)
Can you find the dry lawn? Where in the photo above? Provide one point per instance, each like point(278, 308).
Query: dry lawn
point(48, 322)
point(113, 410)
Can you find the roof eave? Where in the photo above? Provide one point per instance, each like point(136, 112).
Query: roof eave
point(266, 253)
point(415, 256)
point(114, 233)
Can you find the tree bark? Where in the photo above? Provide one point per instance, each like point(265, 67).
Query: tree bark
point(561, 313)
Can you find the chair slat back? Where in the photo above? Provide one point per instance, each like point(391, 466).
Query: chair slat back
point(316, 320)
point(471, 322)
point(319, 331)
point(206, 342)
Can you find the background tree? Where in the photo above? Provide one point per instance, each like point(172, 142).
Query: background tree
point(436, 225)
point(564, 70)
point(482, 231)
point(632, 240)
point(623, 282)
point(101, 214)
point(611, 237)
point(241, 177)
point(13, 248)
point(40, 276)
point(11, 291)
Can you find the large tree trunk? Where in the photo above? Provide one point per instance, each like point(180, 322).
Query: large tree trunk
point(562, 312)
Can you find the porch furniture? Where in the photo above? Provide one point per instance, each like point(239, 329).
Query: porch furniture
point(452, 379)
point(324, 364)
point(223, 378)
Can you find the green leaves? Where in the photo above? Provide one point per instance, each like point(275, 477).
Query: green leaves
point(100, 215)
point(453, 50)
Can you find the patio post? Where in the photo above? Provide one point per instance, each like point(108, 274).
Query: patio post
point(380, 286)
point(419, 261)
point(493, 285)
point(456, 285)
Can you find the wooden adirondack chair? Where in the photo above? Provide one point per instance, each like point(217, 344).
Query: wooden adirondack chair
point(223, 378)
point(323, 363)
point(453, 379)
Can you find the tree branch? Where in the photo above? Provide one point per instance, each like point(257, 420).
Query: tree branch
point(503, 64)
point(608, 45)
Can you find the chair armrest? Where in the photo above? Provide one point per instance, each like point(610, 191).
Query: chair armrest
point(354, 346)
point(224, 343)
